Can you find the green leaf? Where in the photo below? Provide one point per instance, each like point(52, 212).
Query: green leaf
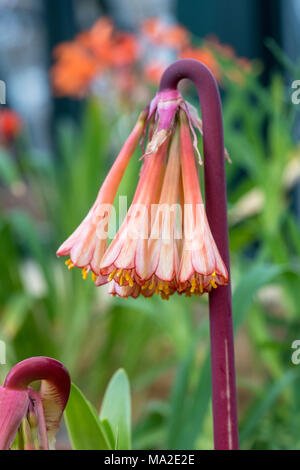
point(83, 425)
point(188, 411)
point(268, 399)
point(116, 409)
point(8, 169)
point(14, 313)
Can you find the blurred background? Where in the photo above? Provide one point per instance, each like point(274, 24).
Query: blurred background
point(77, 73)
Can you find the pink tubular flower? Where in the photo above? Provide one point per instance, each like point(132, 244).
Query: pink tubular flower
point(124, 259)
point(87, 244)
point(163, 246)
point(151, 252)
point(36, 414)
point(201, 266)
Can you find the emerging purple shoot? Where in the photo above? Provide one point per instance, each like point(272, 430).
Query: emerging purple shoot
point(35, 416)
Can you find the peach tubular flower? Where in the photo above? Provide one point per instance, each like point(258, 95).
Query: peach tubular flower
point(115, 289)
point(162, 267)
point(201, 266)
point(123, 260)
point(39, 412)
point(86, 245)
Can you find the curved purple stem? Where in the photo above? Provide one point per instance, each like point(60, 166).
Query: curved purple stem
point(221, 327)
point(40, 368)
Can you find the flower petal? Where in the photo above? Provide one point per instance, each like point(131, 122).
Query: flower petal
point(13, 407)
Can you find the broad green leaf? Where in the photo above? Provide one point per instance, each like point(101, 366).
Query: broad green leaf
point(116, 409)
point(178, 396)
point(188, 412)
point(83, 425)
point(108, 433)
point(197, 411)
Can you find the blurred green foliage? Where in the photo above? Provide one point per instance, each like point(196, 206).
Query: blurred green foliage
point(163, 346)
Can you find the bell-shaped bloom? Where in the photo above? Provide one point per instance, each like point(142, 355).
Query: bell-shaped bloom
point(36, 415)
point(162, 260)
point(201, 266)
point(124, 259)
point(86, 246)
point(164, 244)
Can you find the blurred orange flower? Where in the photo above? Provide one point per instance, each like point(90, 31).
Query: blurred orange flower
point(174, 36)
point(238, 66)
point(153, 71)
point(110, 47)
point(124, 50)
point(223, 49)
point(91, 52)
point(204, 55)
point(10, 126)
point(104, 50)
point(98, 39)
point(73, 70)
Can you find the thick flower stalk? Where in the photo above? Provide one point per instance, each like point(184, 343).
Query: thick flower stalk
point(35, 416)
point(221, 328)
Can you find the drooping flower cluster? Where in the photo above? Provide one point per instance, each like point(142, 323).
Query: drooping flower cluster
point(164, 245)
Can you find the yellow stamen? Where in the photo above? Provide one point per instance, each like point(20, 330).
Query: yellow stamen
point(153, 284)
point(129, 278)
point(68, 262)
point(112, 275)
point(85, 273)
point(94, 277)
point(194, 284)
point(213, 282)
point(145, 286)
